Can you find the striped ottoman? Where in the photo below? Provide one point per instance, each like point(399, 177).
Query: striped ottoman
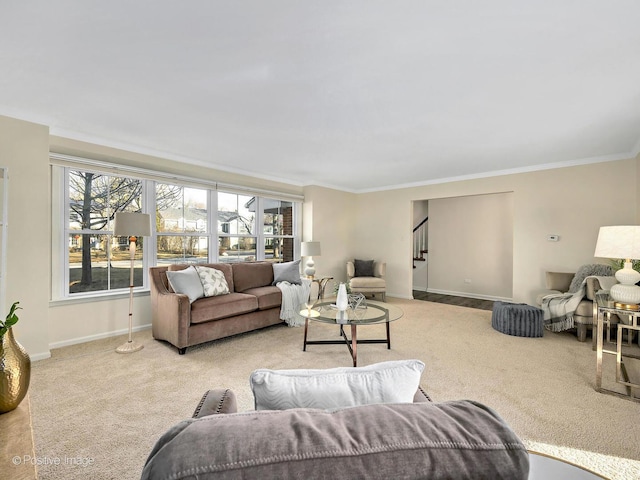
point(517, 319)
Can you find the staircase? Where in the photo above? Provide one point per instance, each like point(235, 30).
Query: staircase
point(420, 242)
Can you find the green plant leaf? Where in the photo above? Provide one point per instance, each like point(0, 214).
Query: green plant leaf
point(11, 320)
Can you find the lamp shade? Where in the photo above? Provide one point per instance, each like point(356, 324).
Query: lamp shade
point(621, 242)
point(132, 224)
point(310, 249)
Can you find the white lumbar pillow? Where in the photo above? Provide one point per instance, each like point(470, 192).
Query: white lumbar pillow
point(385, 382)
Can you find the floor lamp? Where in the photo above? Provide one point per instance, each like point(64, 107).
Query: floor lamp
point(132, 225)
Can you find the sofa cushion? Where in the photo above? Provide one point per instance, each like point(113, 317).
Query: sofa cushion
point(251, 275)
point(287, 272)
point(215, 308)
point(384, 382)
point(186, 282)
point(213, 281)
point(367, 282)
point(461, 440)
point(268, 297)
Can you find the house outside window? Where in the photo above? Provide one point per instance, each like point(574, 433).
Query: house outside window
point(237, 238)
point(182, 226)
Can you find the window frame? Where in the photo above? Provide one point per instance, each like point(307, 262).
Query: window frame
point(61, 165)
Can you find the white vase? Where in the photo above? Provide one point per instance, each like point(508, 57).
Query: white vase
point(342, 301)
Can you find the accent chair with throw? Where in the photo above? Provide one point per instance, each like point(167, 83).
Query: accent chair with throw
point(367, 277)
point(568, 301)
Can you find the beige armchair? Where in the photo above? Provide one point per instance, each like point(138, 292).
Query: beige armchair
point(585, 316)
point(367, 277)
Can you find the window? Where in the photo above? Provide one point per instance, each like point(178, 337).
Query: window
point(278, 230)
point(236, 228)
point(182, 224)
point(94, 261)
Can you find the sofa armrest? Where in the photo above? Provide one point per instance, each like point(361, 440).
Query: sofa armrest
point(379, 269)
point(421, 396)
point(216, 401)
point(593, 286)
point(171, 312)
point(351, 270)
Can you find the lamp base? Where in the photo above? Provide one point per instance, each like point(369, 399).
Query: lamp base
point(130, 347)
point(310, 271)
point(625, 294)
point(627, 306)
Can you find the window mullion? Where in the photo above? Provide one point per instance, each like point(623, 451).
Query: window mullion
point(259, 227)
point(212, 222)
point(149, 253)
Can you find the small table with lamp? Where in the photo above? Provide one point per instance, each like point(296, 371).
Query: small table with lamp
point(605, 308)
point(619, 242)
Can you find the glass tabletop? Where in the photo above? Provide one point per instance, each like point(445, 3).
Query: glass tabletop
point(374, 312)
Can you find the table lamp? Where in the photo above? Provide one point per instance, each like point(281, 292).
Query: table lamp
point(622, 242)
point(310, 249)
point(132, 225)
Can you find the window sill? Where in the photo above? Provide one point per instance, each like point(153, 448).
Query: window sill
point(98, 297)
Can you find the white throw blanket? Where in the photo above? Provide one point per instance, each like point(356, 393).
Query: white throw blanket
point(559, 308)
point(292, 296)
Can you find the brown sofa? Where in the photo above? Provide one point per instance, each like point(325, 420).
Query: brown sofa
point(253, 302)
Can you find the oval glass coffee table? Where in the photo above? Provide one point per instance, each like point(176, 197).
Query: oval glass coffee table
point(326, 312)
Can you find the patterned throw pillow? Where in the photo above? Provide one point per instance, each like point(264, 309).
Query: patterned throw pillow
point(213, 281)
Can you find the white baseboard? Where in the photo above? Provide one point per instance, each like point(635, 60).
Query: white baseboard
point(99, 336)
point(470, 295)
point(404, 297)
point(39, 356)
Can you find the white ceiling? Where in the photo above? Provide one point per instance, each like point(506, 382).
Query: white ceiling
point(357, 95)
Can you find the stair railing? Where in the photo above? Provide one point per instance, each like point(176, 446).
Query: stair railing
point(420, 242)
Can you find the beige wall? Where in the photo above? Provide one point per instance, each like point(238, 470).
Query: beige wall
point(571, 202)
point(471, 246)
point(24, 150)
point(328, 219)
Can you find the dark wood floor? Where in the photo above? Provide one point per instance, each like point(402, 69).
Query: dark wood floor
point(453, 300)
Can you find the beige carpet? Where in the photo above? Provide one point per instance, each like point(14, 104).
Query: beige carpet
point(99, 413)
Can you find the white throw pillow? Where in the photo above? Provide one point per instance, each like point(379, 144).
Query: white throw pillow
point(385, 382)
point(213, 281)
point(187, 282)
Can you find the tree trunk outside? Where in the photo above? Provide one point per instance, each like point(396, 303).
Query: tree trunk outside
point(86, 278)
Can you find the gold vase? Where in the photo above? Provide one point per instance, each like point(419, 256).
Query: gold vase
point(15, 372)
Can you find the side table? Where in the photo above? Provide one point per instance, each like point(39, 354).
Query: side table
point(322, 284)
point(631, 352)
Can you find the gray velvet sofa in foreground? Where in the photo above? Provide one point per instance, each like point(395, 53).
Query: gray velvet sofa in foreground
point(407, 438)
